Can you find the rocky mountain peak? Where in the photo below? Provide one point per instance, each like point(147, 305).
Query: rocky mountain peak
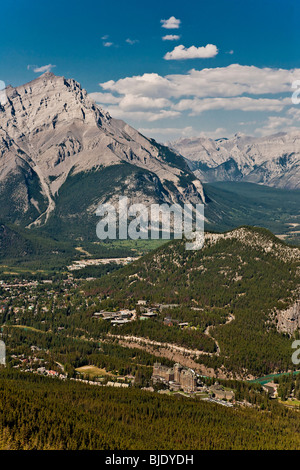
point(50, 129)
point(47, 102)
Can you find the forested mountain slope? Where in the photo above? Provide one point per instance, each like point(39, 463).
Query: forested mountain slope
point(74, 416)
point(245, 275)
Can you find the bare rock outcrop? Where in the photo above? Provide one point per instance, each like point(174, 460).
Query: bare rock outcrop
point(288, 321)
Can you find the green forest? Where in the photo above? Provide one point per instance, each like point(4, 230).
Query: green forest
point(43, 413)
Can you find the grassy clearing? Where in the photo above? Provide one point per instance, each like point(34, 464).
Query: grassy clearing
point(93, 371)
point(24, 327)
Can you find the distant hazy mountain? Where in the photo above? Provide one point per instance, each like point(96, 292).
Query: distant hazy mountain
point(61, 155)
point(273, 160)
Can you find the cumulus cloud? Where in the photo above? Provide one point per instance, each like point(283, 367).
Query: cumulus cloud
point(234, 80)
point(132, 41)
point(171, 37)
point(152, 97)
point(215, 134)
point(188, 131)
point(105, 98)
point(173, 133)
point(243, 103)
point(294, 113)
point(108, 44)
point(149, 84)
point(133, 103)
point(287, 123)
point(193, 52)
point(149, 116)
point(171, 23)
point(43, 68)
point(3, 97)
point(135, 107)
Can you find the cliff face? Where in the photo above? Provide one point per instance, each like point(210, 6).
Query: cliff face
point(289, 319)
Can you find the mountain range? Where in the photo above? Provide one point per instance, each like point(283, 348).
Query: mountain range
point(61, 155)
point(272, 160)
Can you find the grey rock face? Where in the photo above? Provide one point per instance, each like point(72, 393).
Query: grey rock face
point(289, 319)
point(272, 160)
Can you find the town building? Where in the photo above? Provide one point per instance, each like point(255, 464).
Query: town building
point(219, 392)
point(271, 388)
point(162, 373)
point(176, 377)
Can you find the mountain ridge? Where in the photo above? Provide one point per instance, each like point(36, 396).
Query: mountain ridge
point(273, 160)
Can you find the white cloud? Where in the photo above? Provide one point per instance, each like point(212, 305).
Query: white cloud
point(183, 53)
point(132, 41)
point(171, 23)
point(188, 131)
point(105, 98)
point(152, 97)
point(287, 123)
point(294, 113)
point(105, 37)
point(173, 133)
point(108, 44)
point(134, 103)
point(149, 84)
point(234, 80)
point(197, 106)
point(3, 97)
point(149, 116)
point(43, 68)
point(131, 102)
point(215, 134)
point(171, 37)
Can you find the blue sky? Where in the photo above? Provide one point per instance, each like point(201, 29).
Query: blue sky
point(243, 56)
